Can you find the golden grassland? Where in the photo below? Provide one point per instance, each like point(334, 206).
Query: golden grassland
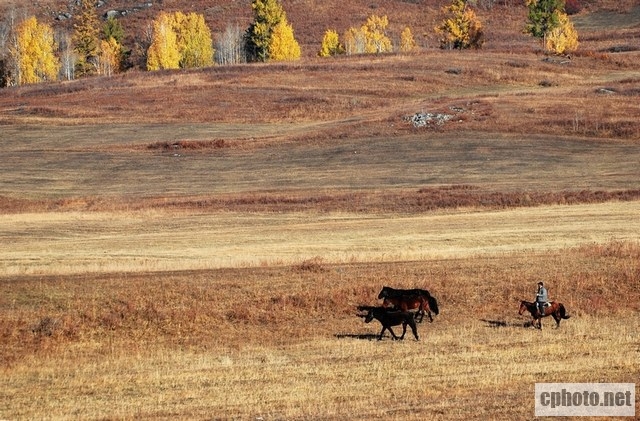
point(283, 342)
point(160, 240)
point(194, 244)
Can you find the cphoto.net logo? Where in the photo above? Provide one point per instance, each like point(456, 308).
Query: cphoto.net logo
point(585, 399)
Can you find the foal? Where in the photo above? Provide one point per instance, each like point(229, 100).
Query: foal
point(389, 318)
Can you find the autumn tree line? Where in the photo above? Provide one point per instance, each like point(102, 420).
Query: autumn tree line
point(32, 52)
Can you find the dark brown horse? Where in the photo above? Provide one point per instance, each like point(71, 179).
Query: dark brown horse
point(555, 309)
point(410, 299)
point(388, 318)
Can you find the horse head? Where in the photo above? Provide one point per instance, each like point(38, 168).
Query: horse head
point(384, 293)
point(368, 315)
point(523, 307)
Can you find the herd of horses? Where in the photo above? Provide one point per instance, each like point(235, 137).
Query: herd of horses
point(407, 307)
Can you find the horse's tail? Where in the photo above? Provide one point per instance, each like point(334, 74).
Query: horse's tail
point(425, 293)
point(563, 312)
point(433, 304)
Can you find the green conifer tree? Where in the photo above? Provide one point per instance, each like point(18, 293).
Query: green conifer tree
point(544, 15)
point(267, 14)
point(86, 38)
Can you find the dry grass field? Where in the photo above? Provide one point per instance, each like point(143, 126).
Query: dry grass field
point(194, 244)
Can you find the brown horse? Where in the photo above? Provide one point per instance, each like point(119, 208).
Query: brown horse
point(410, 299)
point(555, 309)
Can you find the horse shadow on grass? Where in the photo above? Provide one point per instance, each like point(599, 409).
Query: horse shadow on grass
point(361, 336)
point(496, 324)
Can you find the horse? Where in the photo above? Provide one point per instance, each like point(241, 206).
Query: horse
point(388, 292)
point(555, 309)
point(410, 299)
point(389, 318)
point(412, 302)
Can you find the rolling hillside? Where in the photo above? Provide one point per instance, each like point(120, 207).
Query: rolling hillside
point(503, 20)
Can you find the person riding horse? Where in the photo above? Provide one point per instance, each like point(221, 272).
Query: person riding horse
point(542, 298)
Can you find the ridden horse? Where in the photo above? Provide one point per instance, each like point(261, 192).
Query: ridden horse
point(555, 309)
point(410, 299)
point(389, 318)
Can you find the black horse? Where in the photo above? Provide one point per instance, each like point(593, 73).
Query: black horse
point(389, 318)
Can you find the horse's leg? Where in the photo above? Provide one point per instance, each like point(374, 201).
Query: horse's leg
point(557, 317)
point(422, 312)
point(382, 332)
point(404, 330)
point(414, 329)
point(393, 335)
point(536, 323)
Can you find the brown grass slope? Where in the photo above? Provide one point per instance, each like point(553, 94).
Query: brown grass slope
point(513, 115)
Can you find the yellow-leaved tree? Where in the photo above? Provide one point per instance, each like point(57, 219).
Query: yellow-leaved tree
point(407, 43)
point(163, 52)
point(193, 39)
point(109, 57)
point(354, 41)
point(460, 28)
point(111, 53)
point(330, 44)
point(283, 46)
point(376, 40)
point(371, 38)
point(34, 52)
point(563, 37)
